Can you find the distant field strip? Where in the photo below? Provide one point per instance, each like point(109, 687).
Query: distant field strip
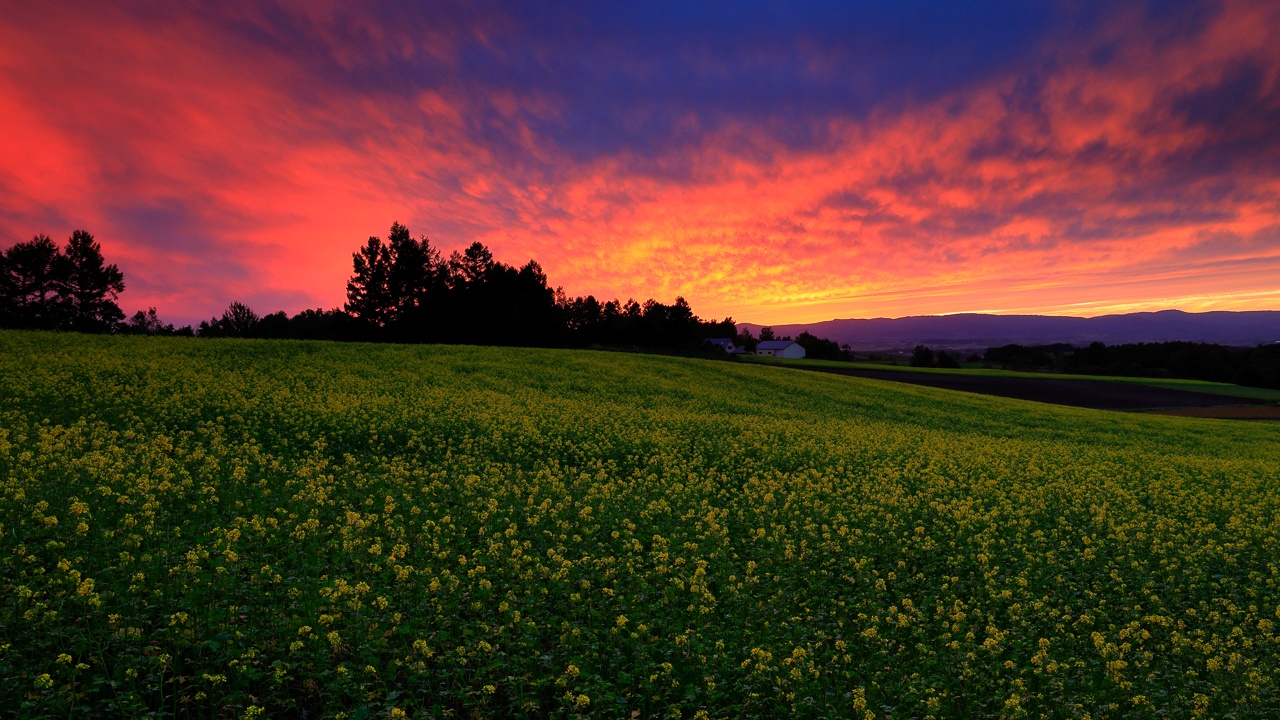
point(868, 369)
point(205, 528)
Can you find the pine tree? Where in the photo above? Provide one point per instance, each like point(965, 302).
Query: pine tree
point(416, 272)
point(368, 291)
point(470, 267)
point(89, 287)
point(30, 279)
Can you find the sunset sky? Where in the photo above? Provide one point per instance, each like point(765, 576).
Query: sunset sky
point(776, 162)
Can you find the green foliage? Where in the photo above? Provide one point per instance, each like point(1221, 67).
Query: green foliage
point(232, 528)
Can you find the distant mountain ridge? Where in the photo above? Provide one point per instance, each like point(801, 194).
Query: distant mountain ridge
point(1247, 328)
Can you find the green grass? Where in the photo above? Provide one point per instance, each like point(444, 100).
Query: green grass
point(1202, 386)
point(226, 528)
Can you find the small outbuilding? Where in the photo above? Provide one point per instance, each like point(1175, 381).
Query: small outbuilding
point(781, 348)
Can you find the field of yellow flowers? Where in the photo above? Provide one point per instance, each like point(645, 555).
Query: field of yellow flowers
point(230, 528)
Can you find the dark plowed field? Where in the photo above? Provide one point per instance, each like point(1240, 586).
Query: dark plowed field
point(1100, 394)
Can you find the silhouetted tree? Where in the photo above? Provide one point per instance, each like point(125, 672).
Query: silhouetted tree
point(669, 325)
point(587, 321)
point(403, 290)
point(766, 334)
point(399, 286)
point(89, 286)
point(820, 348)
point(471, 267)
point(474, 308)
point(1023, 357)
point(945, 360)
point(921, 357)
point(534, 314)
point(584, 319)
point(31, 283)
point(321, 324)
point(273, 325)
point(146, 322)
point(238, 320)
point(416, 282)
point(368, 290)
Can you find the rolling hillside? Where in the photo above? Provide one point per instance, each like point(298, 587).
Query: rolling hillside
point(272, 528)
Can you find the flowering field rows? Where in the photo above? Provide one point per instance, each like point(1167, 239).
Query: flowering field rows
point(284, 529)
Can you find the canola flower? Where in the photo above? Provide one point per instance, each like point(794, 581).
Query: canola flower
point(261, 529)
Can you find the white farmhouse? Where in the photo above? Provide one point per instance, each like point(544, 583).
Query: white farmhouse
point(781, 348)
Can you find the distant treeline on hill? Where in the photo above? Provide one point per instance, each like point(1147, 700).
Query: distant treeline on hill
point(401, 290)
point(1256, 367)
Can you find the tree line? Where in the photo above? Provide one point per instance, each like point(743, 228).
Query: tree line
point(1254, 366)
point(924, 356)
point(402, 289)
point(1251, 366)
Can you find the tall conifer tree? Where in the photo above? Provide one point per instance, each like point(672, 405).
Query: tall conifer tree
point(89, 286)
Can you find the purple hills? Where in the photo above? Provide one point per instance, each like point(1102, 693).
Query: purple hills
point(976, 330)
